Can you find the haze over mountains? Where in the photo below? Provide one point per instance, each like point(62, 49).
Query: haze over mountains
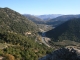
point(51, 19)
point(57, 21)
point(41, 19)
point(34, 19)
point(48, 16)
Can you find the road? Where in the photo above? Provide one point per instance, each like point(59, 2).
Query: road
point(43, 39)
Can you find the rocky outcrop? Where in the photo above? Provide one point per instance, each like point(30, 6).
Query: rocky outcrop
point(63, 54)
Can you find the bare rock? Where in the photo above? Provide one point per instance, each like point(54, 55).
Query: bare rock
point(63, 54)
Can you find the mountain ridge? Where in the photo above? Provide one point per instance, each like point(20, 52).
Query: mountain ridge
point(15, 21)
point(66, 31)
point(34, 19)
point(61, 19)
point(48, 16)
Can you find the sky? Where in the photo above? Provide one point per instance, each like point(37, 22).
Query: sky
point(40, 7)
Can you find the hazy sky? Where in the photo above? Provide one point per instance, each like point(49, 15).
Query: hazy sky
point(39, 7)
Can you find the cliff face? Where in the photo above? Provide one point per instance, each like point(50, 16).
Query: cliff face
point(63, 54)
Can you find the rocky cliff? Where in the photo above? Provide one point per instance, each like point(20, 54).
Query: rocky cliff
point(63, 54)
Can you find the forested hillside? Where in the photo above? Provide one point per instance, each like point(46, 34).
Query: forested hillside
point(13, 21)
point(17, 37)
point(69, 30)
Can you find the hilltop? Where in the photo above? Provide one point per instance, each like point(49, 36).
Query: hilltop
point(13, 21)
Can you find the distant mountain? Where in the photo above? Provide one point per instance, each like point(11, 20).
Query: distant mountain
point(61, 19)
point(13, 21)
point(34, 19)
point(48, 17)
point(69, 30)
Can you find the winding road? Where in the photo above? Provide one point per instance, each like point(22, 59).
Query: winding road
point(43, 39)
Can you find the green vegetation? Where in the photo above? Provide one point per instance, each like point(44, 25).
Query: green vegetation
point(34, 19)
point(21, 47)
point(69, 30)
point(14, 22)
point(16, 43)
point(45, 27)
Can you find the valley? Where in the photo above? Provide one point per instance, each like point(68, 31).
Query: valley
point(44, 38)
point(29, 37)
point(39, 30)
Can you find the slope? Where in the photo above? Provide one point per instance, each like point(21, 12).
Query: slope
point(61, 19)
point(69, 30)
point(13, 26)
point(13, 21)
point(34, 19)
